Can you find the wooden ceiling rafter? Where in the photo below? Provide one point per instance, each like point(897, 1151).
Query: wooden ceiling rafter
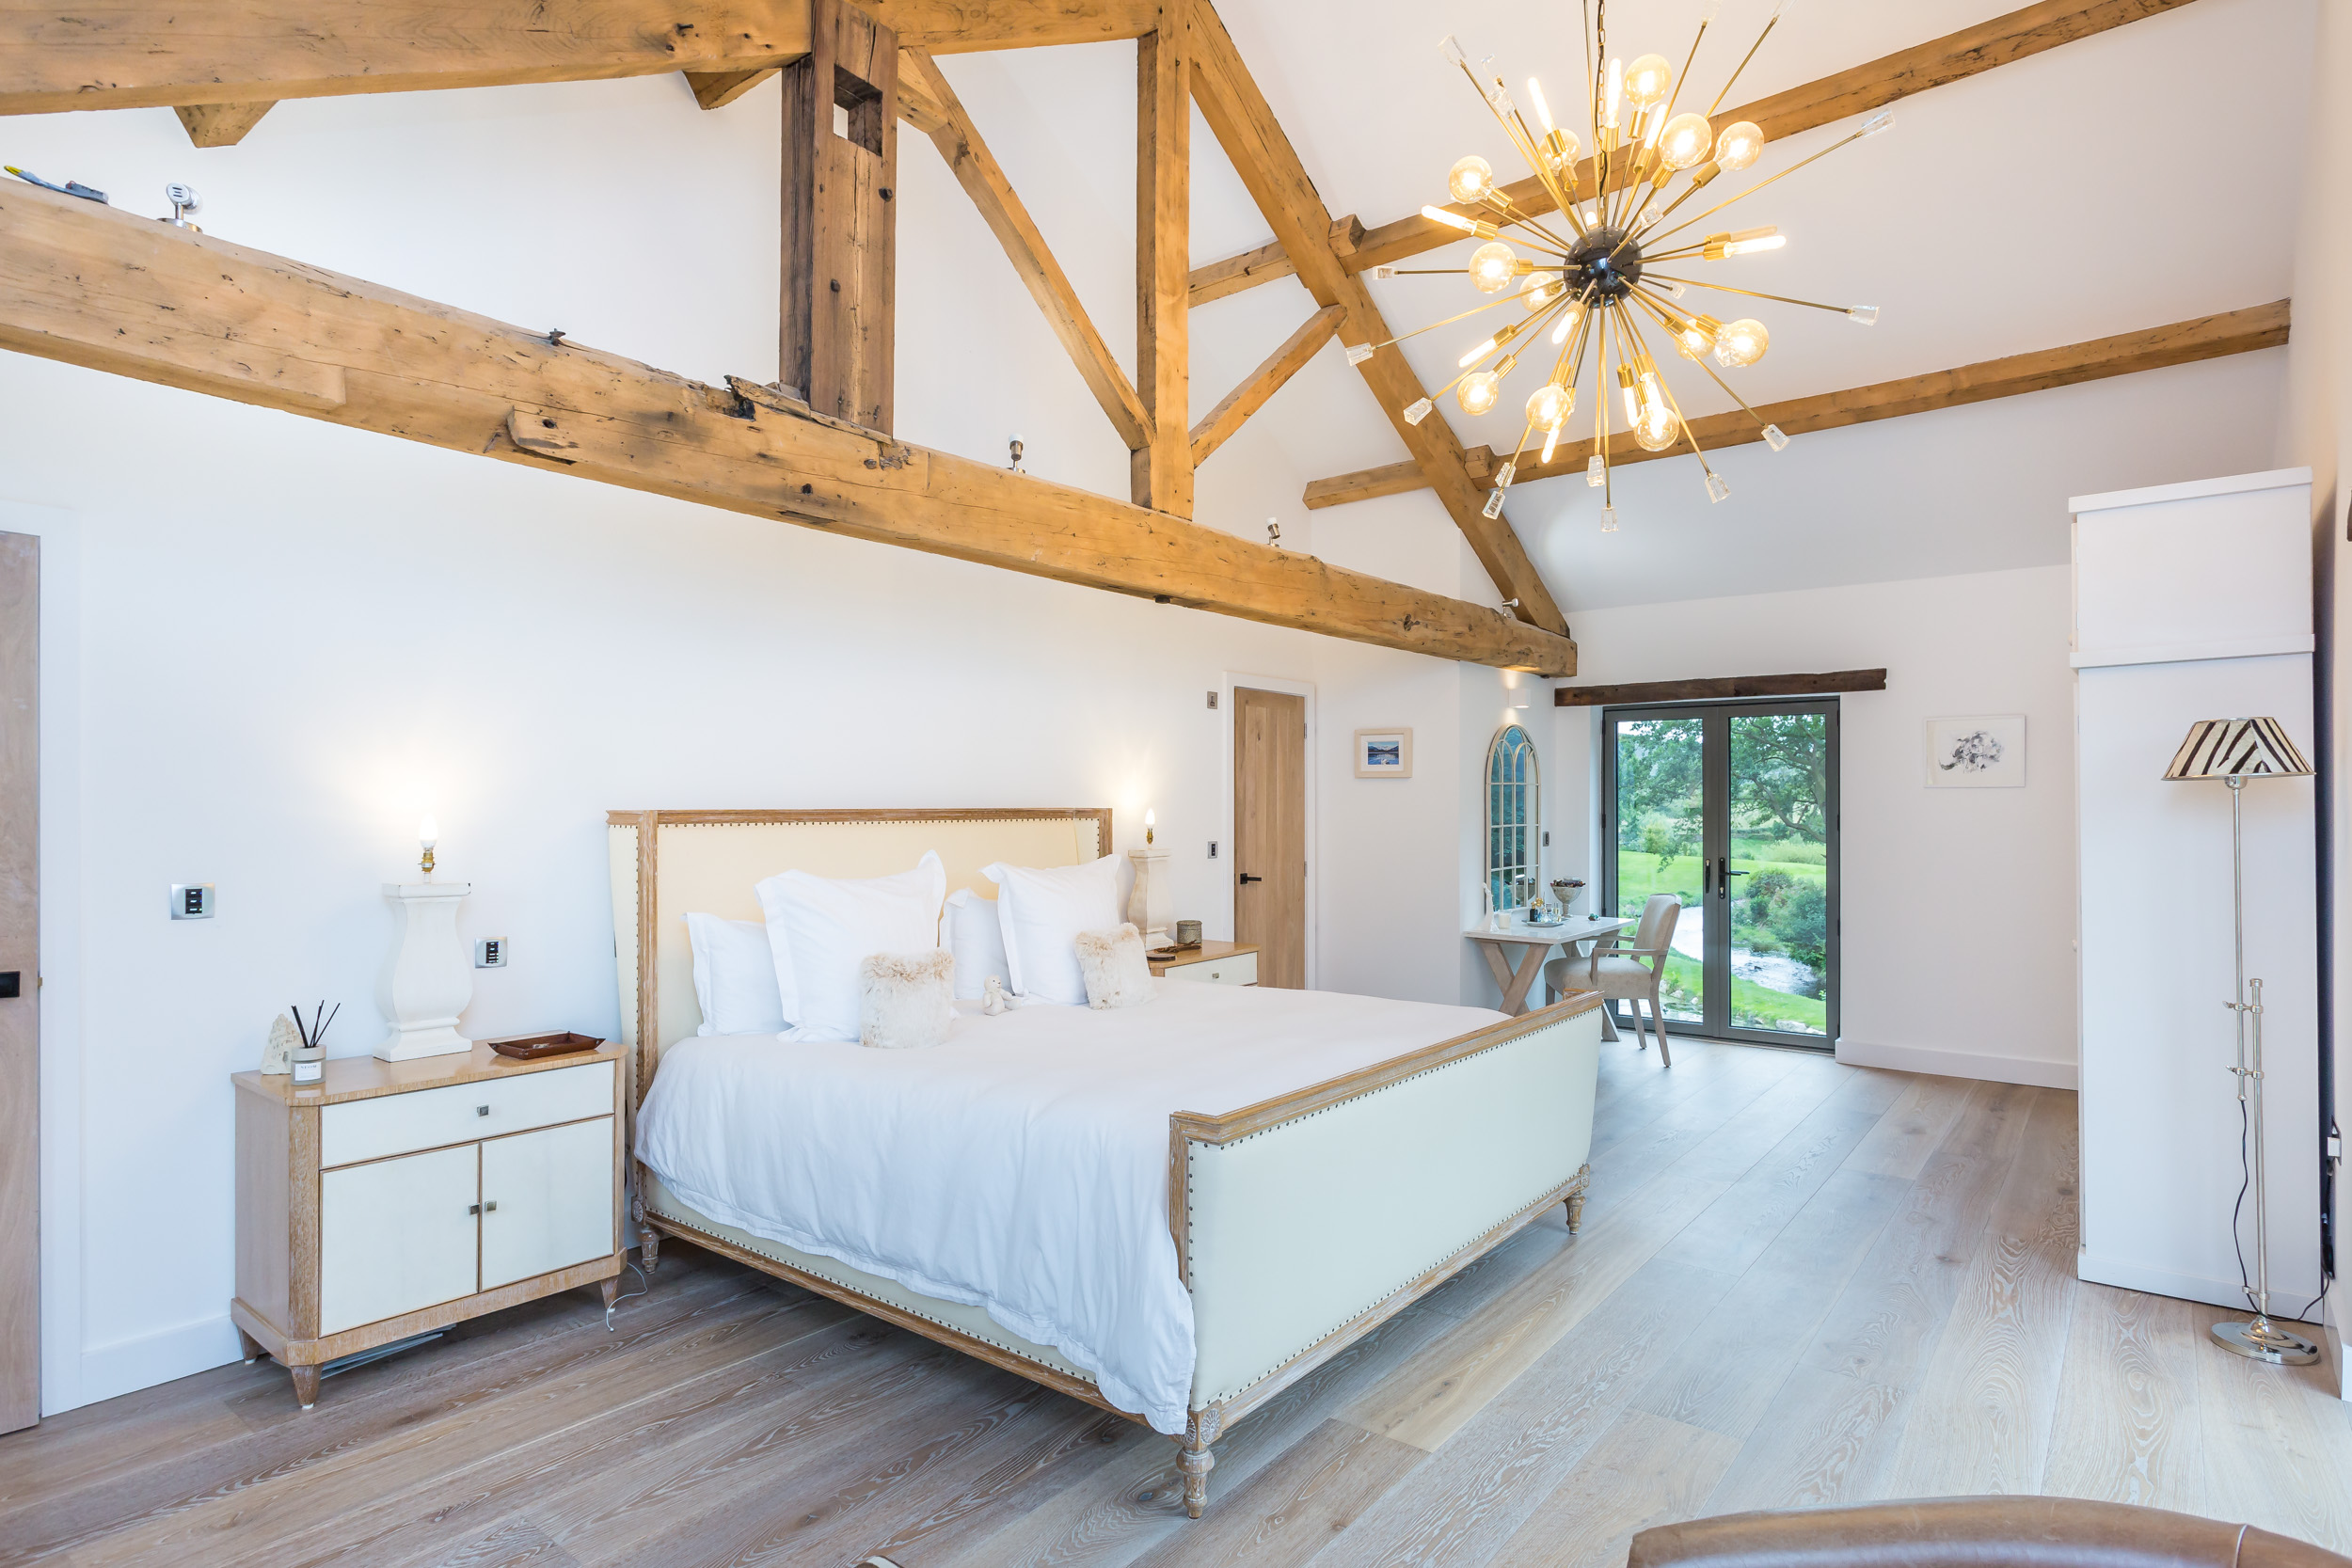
point(1218, 425)
point(2183, 342)
point(1160, 471)
point(1999, 41)
point(1278, 181)
point(92, 286)
point(984, 180)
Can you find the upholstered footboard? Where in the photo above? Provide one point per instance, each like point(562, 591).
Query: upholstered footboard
point(1305, 1222)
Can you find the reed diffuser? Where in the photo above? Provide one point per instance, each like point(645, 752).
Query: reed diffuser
point(309, 1061)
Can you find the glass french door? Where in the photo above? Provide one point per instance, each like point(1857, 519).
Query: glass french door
point(1731, 808)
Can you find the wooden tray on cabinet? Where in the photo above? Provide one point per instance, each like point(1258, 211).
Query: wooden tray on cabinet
point(533, 1048)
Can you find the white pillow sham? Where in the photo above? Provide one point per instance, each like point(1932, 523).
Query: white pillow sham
point(978, 941)
point(1041, 913)
point(735, 976)
point(1117, 972)
point(822, 927)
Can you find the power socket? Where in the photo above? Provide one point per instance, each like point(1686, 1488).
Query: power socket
point(192, 900)
point(490, 953)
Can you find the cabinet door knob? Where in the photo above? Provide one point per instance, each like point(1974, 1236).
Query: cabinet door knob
point(490, 1208)
point(473, 1208)
point(482, 1110)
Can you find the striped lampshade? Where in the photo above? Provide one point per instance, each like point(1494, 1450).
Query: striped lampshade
point(2237, 748)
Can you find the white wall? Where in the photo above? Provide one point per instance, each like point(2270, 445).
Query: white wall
point(2316, 433)
point(1957, 911)
point(296, 639)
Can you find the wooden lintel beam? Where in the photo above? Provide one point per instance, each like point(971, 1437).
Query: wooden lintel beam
point(1217, 426)
point(1160, 468)
point(2004, 38)
point(716, 89)
point(2185, 343)
point(983, 180)
point(1718, 689)
point(220, 124)
point(92, 286)
point(124, 56)
point(1278, 181)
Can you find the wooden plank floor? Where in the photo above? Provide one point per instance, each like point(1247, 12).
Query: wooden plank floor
point(1799, 1283)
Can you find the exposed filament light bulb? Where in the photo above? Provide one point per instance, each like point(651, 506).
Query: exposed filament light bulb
point(1746, 242)
point(1743, 343)
point(1470, 178)
point(1740, 144)
point(1479, 393)
point(1542, 109)
point(1456, 220)
point(1684, 141)
point(1648, 81)
point(1570, 319)
point(1474, 355)
point(1492, 267)
point(1612, 97)
point(1550, 405)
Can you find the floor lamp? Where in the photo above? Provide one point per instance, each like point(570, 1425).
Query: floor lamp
point(2235, 751)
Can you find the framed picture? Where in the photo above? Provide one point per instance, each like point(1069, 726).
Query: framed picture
point(1985, 752)
point(1384, 753)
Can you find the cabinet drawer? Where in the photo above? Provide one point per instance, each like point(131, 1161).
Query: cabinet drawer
point(1239, 970)
point(356, 1130)
point(396, 1235)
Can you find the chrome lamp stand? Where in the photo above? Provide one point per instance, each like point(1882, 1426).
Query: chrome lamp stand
point(2262, 1340)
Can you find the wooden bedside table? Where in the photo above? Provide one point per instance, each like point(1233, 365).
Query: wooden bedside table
point(1218, 963)
point(399, 1198)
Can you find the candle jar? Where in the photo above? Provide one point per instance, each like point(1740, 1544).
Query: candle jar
point(309, 1068)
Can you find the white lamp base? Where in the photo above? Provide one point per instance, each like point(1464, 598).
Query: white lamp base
point(1149, 904)
point(432, 977)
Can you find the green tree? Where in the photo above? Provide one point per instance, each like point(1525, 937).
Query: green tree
point(1780, 774)
point(1659, 788)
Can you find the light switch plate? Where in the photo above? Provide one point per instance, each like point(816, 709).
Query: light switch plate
point(490, 953)
point(192, 900)
point(1211, 849)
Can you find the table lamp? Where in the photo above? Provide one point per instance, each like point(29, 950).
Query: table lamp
point(2235, 751)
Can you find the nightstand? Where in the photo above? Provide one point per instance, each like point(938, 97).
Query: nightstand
point(1218, 963)
point(397, 1197)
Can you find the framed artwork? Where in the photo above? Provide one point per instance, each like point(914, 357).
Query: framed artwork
point(1384, 753)
point(1984, 752)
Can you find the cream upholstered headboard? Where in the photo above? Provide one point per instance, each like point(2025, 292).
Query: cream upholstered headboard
point(667, 865)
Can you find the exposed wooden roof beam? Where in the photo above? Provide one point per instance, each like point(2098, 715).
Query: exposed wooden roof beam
point(1269, 167)
point(92, 286)
point(1859, 91)
point(1160, 467)
point(2180, 344)
point(983, 179)
point(220, 124)
point(1217, 426)
point(122, 54)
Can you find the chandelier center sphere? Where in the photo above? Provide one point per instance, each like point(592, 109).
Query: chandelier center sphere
point(1603, 262)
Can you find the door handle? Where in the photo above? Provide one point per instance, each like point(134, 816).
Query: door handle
point(1247, 879)
point(1724, 874)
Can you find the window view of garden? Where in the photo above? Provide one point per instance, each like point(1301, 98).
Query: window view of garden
point(1779, 846)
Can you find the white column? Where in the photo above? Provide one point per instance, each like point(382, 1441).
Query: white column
point(432, 978)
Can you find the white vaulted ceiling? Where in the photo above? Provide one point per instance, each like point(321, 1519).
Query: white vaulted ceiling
point(2141, 176)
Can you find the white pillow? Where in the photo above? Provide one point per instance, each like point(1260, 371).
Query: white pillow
point(735, 976)
point(821, 928)
point(973, 936)
point(1042, 912)
point(1117, 972)
point(906, 1000)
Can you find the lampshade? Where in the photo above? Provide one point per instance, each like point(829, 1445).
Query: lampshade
point(2237, 748)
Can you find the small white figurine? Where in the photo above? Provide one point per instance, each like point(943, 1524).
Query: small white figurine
point(284, 1040)
point(992, 996)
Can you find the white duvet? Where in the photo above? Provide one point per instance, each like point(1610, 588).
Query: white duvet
point(1023, 1166)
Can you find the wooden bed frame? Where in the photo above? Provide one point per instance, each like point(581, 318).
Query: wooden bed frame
point(1405, 1171)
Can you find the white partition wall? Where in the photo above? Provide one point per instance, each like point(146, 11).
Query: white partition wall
point(2193, 601)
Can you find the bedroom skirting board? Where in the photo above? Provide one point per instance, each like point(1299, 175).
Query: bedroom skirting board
point(127, 1365)
point(2039, 1072)
point(2287, 1296)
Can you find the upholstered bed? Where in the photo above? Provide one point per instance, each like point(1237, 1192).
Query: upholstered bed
point(1354, 1153)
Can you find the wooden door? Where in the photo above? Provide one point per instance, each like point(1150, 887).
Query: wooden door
point(397, 1235)
point(20, 983)
point(553, 1192)
point(1270, 832)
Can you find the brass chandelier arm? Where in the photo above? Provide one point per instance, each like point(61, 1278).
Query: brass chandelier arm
point(1751, 294)
point(1473, 310)
point(1783, 174)
point(1675, 404)
point(1770, 24)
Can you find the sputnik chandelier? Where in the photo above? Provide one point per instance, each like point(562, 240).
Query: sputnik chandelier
point(1595, 292)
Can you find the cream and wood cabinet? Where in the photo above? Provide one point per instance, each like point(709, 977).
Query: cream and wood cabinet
point(399, 1198)
point(1216, 963)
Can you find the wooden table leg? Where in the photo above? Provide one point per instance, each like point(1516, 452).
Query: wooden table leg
point(1531, 965)
point(1501, 967)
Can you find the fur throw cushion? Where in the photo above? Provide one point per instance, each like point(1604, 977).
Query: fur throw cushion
point(906, 1000)
point(1117, 972)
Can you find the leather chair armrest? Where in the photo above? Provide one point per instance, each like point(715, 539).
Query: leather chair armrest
point(1971, 1533)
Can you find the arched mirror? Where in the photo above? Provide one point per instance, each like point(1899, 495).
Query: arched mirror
point(1514, 820)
